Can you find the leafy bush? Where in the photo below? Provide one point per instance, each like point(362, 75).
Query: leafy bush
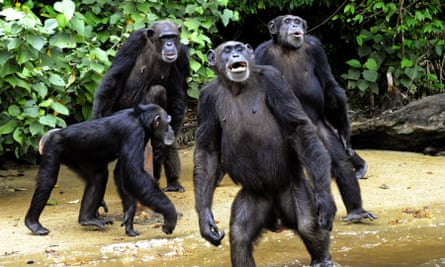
point(405, 39)
point(53, 57)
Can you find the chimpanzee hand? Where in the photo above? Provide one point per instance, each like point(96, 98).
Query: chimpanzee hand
point(347, 146)
point(169, 223)
point(326, 210)
point(209, 230)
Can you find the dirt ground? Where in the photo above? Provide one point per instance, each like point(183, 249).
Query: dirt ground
point(401, 189)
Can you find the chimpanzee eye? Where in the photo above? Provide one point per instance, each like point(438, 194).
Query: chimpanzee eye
point(287, 21)
point(227, 49)
point(239, 48)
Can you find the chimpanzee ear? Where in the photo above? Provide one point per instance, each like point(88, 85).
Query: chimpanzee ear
point(179, 28)
point(273, 27)
point(304, 26)
point(211, 57)
point(150, 32)
point(156, 121)
point(250, 50)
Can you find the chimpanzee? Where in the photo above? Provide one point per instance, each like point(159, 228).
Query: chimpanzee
point(88, 147)
point(151, 67)
point(251, 125)
point(303, 62)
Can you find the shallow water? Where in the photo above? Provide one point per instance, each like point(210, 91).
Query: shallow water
point(405, 190)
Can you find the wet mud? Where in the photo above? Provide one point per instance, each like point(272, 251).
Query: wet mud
point(405, 191)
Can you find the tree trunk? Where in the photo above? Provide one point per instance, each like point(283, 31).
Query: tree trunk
point(414, 127)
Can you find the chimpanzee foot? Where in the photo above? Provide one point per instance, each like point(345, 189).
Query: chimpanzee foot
point(37, 228)
point(174, 186)
point(359, 214)
point(129, 230)
point(100, 223)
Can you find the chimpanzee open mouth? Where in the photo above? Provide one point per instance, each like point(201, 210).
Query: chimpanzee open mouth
point(238, 66)
point(298, 34)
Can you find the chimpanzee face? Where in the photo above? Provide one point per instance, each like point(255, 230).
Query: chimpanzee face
point(289, 29)
point(162, 129)
point(165, 36)
point(232, 59)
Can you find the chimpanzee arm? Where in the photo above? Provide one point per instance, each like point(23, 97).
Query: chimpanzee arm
point(206, 162)
point(335, 106)
point(177, 90)
point(112, 83)
point(304, 141)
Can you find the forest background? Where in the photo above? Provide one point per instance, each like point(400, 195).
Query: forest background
point(53, 54)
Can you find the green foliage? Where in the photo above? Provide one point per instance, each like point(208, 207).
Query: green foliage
point(404, 38)
point(52, 57)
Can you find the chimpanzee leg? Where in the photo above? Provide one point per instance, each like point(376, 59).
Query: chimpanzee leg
point(128, 202)
point(145, 188)
point(343, 172)
point(249, 216)
point(46, 179)
point(172, 166)
point(158, 158)
point(95, 177)
point(300, 213)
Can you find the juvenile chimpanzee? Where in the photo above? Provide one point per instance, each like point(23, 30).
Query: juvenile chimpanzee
point(251, 125)
point(88, 147)
point(151, 67)
point(304, 64)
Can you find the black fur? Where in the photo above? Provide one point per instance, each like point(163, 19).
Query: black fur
point(88, 147)
point(304, 64)
point(251, 125)
point(140, 74)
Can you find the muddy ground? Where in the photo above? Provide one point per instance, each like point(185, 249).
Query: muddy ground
point(405, 191)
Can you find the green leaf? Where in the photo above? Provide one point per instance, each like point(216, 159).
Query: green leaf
point(371, 64)
point(49, 120)
point(194, 65)
point(66, 7)
point(62, 40)
point(406, 63)
point(14, 110)
point(56, 80)
point(362, 85)
point(354, 63)
point(41, 89)
point(8, 127)
point(36, 41)
point(18, 136)
point(31, 112)
point(370, 75)
point(226, 16)
point(35, 128)
point(59, 108)
point(353, 74)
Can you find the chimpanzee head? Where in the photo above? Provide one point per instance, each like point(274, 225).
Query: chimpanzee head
point(232, 60)
point(156, 121)
point(165, 35)
point(288, 30)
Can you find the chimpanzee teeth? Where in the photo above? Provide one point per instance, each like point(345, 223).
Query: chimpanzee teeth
point(239, 69)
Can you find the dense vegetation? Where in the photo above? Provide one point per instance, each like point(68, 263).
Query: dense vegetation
point(53, 54)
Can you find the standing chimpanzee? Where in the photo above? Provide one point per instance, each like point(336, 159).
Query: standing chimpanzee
point(151, 67)
point(251, 125)
point(304, 64)
point(88, 147)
